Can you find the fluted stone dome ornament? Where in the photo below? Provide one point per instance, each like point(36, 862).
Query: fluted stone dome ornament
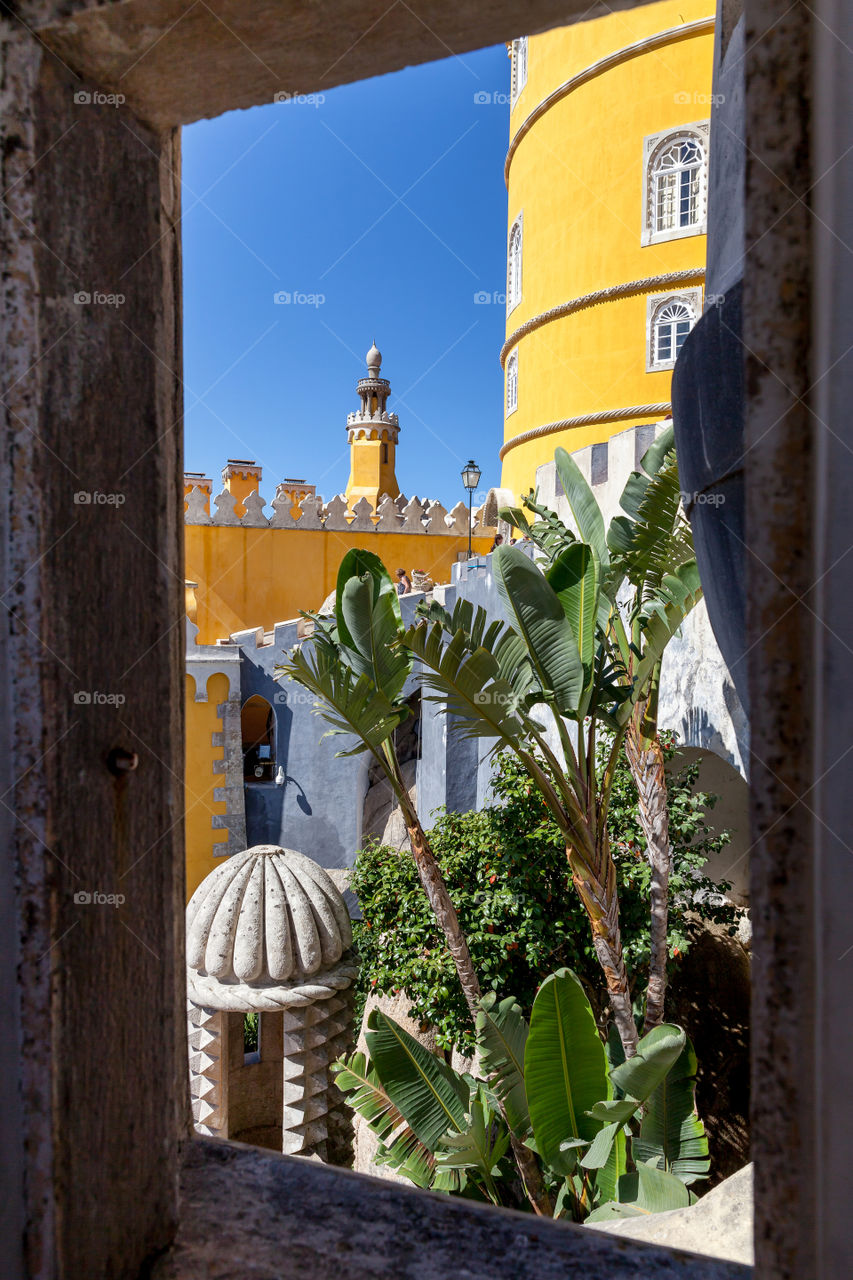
point(265, 930)
point(268, 932)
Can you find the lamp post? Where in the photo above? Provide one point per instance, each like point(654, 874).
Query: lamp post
point(470, 479)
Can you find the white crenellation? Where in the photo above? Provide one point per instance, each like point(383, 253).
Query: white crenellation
point(312, 509)
point(457, 519)
point(389, 516)
point(336, 513)
point(254, 517)
point(437, 519)
point(226, 509)
point(363, 516)
point(197, 504)
point(392, 515)
point(282, 518)
point(413, 516)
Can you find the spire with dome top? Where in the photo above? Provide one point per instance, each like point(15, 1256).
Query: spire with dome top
point(372, 433)
point(374, 361)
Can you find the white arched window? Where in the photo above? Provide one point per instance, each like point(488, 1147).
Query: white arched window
point(675, 184)
point(512, 383)
point(519, 68)
point(670, 320)
point(513, 265)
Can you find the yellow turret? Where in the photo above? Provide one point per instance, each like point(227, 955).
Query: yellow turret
point(372, 433)
point(607, 180)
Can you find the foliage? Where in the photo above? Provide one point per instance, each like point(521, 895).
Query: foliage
point(570, 659)
point(506, 871)
point(611, 1140)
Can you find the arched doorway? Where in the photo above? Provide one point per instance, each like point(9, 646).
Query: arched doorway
point(257, 724)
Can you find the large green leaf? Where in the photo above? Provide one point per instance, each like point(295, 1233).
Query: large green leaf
point(369, 622)
point(564, 1068)
point(402, 1150)
point(671, 1132)
point(480, 1148)
point(616, 1164)
point(657, 1052)
point(539, 618)
point(648, 1190)
point(430, 1096)
point(501, 1037)
point(637, 1078)
point(355, 564)
point(583, 503)
point(652, 460)
point(573, 576)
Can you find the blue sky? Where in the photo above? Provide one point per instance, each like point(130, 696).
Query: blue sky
point(388, 201)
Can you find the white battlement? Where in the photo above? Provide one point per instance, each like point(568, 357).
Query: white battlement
point(391, 516)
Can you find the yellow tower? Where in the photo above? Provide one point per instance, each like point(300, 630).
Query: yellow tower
point(372, 433)
point(607, 178)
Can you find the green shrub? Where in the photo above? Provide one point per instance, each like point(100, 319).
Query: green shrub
point(507, 874)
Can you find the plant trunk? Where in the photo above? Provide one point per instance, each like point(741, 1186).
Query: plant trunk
point(601, 903)
point(446, 917)
point(531, 1176)
point(645, 758)
point(448, 921)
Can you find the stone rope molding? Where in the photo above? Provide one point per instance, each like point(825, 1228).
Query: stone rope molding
point(687, 276)
point(586, 420)
point(390, 516)
point(208, 992)
point(687, 29)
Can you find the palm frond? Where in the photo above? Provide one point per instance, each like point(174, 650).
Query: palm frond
point(400, 1149)
point(351, 704)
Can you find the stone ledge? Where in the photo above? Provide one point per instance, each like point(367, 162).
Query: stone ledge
point(290, 1216)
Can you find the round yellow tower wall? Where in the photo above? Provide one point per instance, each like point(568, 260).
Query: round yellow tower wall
point(576, 174)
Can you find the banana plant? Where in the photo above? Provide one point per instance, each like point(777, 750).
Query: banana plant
point(549, 663)
point(650, 584)
point(613, 1140)
point(358, 672)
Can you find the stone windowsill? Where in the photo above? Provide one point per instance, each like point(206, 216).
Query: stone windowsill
point(252, 1212)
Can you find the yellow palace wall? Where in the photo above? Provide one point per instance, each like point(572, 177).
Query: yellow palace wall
point(204, 841)
point(577, 176)
point(251, 577)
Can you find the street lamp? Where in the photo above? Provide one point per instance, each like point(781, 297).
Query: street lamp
point(470, 479)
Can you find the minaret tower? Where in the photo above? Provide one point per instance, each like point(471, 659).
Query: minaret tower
point(372, 433)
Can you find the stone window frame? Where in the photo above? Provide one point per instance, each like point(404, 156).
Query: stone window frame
point(519, 54)
point(655, 302)
point(511, 403)
point(513, 275)
point(654, 146)
point(800, 897)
